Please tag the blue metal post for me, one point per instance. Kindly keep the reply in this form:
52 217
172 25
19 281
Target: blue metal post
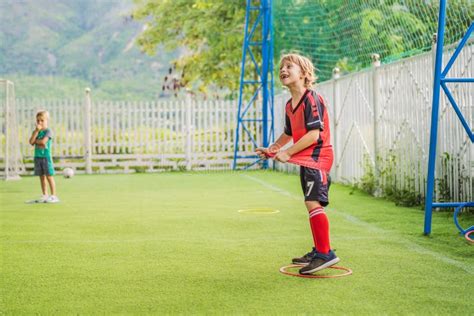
265 68
440 81
434 118
241 88
272 82
262 69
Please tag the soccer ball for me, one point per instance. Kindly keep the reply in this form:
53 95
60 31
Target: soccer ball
68 173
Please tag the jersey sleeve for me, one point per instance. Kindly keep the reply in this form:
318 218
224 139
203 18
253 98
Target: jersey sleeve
287 125
313 114
48 133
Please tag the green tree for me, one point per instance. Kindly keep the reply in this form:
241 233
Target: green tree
209 32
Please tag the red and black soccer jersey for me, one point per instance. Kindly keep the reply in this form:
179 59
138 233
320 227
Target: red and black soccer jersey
310 114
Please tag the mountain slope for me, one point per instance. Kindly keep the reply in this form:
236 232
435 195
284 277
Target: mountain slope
87 40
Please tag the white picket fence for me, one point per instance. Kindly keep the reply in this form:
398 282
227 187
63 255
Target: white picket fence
381 119
117 137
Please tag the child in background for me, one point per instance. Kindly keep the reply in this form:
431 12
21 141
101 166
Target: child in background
41 139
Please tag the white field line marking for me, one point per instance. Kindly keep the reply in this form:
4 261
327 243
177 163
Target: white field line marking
407 243
273 188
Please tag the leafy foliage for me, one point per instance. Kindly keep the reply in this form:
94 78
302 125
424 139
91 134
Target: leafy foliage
333 33
211 33
344 34
389 182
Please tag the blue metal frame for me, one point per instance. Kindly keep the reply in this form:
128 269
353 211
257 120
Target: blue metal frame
264 73
440 81
455 217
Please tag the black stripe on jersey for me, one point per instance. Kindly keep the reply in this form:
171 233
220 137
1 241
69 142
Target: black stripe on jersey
287 129
312 116
317 149
320 110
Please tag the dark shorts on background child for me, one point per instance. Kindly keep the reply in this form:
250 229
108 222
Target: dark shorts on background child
44 166
315 184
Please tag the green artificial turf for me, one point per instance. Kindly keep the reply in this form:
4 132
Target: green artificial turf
175 243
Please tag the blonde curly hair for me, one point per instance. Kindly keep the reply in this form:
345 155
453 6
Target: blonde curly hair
43 114
307 67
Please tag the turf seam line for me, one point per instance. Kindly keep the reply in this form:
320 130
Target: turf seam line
118 241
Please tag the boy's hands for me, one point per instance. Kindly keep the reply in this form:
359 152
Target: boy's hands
283 156
39 143
263 153
39 127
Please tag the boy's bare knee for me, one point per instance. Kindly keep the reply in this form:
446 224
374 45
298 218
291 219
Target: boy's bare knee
312 204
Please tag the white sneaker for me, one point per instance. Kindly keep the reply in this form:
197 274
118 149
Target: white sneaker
52 199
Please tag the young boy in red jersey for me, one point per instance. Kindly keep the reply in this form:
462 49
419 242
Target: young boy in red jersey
307 123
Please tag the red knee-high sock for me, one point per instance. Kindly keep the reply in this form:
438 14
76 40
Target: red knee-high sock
320 229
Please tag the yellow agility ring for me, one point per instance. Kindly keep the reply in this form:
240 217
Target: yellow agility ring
315 276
